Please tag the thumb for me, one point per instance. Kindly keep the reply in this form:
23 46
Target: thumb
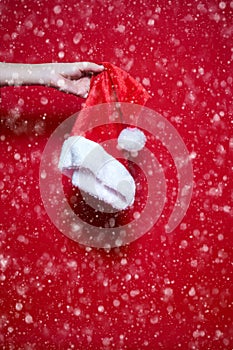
78 87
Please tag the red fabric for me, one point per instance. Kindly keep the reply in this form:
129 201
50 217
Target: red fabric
113 85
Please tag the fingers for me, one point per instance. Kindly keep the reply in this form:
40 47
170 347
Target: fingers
89 67
77 70
74 78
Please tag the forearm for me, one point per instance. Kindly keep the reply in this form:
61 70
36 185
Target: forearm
71 77
25 74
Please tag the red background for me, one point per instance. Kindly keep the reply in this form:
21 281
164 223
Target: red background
162 291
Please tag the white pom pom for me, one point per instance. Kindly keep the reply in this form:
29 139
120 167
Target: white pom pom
131 139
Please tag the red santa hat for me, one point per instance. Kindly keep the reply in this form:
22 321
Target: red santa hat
91 168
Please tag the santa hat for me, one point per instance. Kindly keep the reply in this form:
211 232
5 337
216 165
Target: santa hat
91 168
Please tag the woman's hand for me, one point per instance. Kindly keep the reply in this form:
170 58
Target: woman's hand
71 78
